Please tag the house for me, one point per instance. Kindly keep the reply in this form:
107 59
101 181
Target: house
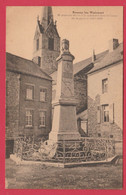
105 94
28 100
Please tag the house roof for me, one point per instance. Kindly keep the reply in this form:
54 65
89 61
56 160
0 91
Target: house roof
24 66
109 59
77 67
103 59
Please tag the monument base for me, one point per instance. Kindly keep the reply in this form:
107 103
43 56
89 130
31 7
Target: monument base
70 135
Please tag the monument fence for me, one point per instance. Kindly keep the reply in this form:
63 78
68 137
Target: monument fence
65 151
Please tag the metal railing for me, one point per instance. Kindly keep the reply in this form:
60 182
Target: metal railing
65 151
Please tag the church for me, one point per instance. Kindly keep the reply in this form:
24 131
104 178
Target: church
34 87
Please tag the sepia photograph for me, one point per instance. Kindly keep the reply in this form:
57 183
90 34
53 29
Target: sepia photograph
64 97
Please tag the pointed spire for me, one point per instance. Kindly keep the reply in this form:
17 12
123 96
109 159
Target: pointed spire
93 56
47 16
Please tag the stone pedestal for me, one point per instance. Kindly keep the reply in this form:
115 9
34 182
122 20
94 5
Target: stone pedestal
64 125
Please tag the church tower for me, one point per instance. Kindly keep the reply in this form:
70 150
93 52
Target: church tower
46 42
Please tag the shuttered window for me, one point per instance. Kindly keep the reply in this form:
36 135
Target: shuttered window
111 113
98 114
105 113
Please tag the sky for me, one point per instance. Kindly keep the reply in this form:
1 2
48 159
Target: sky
86 28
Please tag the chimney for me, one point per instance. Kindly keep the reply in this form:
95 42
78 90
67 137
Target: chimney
113 44
93 56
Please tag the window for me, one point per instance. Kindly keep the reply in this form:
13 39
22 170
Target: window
42 118
29 92
39 60
29 118
43 95
105 109
37 44
105 86
51 44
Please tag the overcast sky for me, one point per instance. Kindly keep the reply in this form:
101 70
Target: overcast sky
86 30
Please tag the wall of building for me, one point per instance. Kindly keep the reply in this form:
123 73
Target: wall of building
113 98
12 103
36 105
12 109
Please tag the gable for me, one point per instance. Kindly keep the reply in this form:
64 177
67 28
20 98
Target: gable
51 31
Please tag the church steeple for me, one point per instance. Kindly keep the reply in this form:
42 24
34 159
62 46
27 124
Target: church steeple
47 16
46 41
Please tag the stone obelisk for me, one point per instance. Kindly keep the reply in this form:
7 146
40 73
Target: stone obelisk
64 126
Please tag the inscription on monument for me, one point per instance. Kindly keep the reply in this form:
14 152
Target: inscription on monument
67 75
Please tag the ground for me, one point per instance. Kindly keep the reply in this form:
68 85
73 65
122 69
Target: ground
44 177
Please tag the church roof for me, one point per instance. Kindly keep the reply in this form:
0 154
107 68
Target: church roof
40 27
51 26
24 66
109 59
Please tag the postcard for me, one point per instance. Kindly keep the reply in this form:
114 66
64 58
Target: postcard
64 97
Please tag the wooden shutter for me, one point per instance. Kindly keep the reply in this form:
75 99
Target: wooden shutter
98 115
45 94
111 113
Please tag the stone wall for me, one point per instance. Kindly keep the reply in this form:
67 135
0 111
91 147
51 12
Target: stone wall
80 90
12 103
49 63
36 105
